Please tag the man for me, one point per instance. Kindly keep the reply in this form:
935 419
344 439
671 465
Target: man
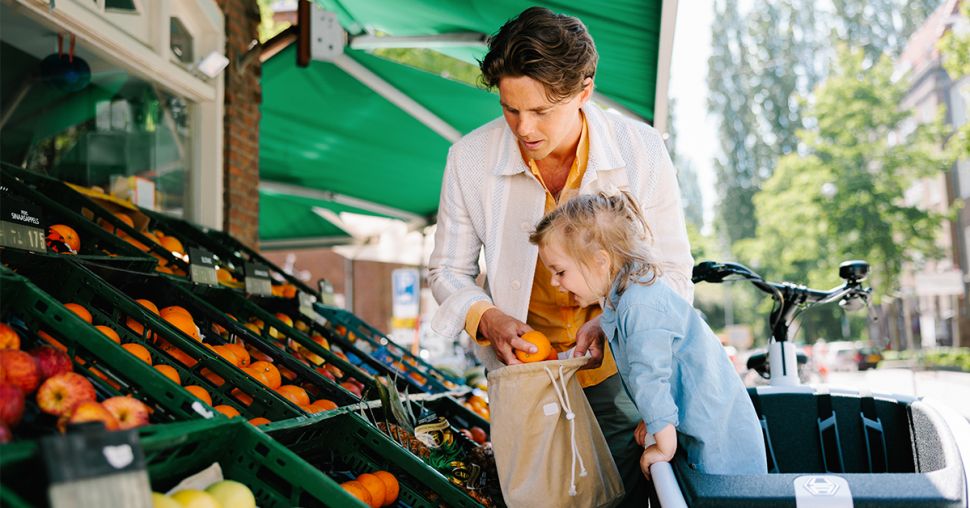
503 177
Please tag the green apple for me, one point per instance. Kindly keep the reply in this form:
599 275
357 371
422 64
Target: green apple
232 494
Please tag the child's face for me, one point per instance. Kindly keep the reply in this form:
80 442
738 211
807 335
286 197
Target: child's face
588 283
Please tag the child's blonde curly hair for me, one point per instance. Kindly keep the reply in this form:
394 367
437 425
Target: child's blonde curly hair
614 223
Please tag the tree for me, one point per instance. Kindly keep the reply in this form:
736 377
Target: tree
730 99
843 198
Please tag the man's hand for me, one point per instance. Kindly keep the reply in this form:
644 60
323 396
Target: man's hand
504 332
590 338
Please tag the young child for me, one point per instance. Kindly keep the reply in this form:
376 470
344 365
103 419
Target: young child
671 363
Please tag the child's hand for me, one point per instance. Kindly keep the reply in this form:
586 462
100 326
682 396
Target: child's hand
640 434
661 451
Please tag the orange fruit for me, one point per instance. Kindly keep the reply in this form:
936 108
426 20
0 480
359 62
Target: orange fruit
228 353
242 397
135 325
140 351
294 394
541 343
172 244
270 373
358 490
199 392
70 236
375 486
110 333
227 410
181 356
321 405
259 420
242 356
184 323
169 372
9 339
224 276
148 304
553 355
174 309
80 311
391 487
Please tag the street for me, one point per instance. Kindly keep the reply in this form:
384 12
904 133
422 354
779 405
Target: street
951 388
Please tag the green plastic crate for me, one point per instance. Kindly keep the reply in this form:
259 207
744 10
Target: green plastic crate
245 310
29 310
277 476
343 445
166 291
96 243
97 214
69 280
406 376
355 330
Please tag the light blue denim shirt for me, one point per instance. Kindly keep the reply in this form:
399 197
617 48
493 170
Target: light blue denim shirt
675 370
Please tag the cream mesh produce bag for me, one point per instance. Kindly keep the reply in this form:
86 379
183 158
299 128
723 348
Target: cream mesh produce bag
548 447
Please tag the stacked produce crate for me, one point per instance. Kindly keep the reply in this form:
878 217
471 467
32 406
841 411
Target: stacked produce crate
117 321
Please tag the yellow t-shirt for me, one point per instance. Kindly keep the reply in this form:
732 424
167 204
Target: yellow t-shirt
552 312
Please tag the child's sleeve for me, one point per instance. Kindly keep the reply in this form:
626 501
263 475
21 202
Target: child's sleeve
649 352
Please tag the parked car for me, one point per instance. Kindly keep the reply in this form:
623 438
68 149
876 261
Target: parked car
840 355
868 357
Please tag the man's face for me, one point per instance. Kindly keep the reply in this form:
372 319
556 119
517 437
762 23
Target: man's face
541 127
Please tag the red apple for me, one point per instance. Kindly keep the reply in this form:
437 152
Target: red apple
326 373
89 411
478 435
352 388
19 369
5 435
11 404
130 412
51 361
60 394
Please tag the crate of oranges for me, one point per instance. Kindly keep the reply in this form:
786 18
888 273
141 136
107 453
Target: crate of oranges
346 328
66 232
56 370
346 448
221 376
312 350
223 336
117 217
256 470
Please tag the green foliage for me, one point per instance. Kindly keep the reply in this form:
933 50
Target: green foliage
433 61
268 27
842 198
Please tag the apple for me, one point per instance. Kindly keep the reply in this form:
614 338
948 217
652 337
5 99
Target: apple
352 388
5 435
162 501
89 411
232 493
11 404
326 373
9 339
51 361
478 435
130 412
19 369
191 498
60 394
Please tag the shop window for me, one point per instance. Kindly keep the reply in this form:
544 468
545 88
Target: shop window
181 41
113 131
121 5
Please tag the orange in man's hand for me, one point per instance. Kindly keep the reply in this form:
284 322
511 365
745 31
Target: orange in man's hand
542 344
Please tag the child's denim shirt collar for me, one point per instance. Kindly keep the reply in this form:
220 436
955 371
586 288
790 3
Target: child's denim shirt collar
610 314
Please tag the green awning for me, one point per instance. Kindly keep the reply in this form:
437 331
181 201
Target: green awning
323 132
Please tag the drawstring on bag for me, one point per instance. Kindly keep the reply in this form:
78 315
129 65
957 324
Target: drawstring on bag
560 389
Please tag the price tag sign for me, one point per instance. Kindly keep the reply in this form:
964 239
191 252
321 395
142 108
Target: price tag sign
21 223
257 280
202 267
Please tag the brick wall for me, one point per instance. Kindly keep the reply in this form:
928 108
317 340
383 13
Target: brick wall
243 94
